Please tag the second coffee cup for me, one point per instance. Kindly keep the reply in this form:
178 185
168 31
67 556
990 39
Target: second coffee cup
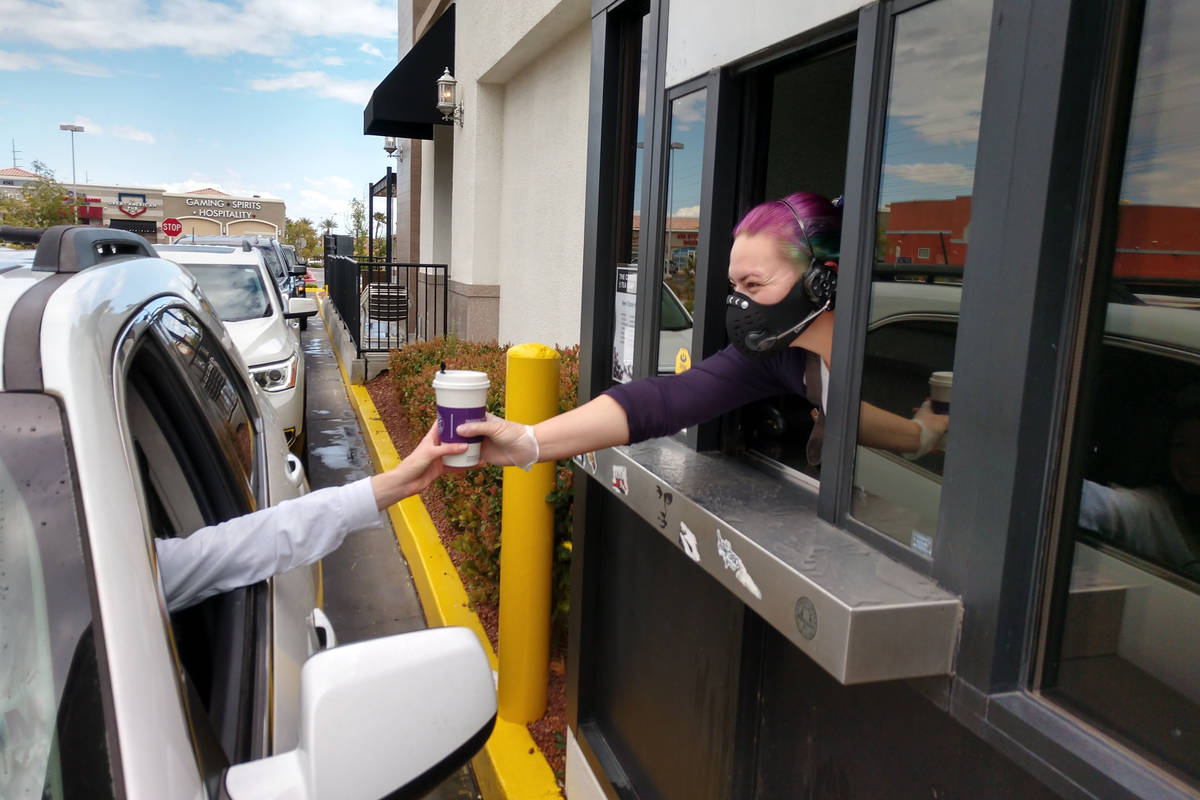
461 397
939 391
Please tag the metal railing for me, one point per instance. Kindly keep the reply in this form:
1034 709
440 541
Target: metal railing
386 305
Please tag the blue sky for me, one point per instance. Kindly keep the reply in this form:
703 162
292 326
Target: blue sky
247 96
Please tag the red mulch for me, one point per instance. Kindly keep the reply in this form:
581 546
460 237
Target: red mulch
550 731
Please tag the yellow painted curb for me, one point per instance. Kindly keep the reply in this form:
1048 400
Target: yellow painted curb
510 766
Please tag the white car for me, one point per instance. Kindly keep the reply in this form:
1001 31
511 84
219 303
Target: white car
127 415
240 286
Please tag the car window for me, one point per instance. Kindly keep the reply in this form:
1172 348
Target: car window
237 291
196 439
53 740
273 263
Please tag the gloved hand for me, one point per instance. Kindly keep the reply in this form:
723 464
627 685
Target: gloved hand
933 430
505 443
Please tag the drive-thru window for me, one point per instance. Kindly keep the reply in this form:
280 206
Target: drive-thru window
1014 614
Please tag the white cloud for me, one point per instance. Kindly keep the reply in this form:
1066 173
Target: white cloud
321 198
132 134
370 50
199 181
200 27
332 61
946 173
19 62
687 211
355 92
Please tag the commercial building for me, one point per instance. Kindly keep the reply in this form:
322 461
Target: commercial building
142 209
746 622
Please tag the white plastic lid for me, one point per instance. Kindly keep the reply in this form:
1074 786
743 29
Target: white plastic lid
460 379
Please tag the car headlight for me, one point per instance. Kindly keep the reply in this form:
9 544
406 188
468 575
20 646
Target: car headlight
276 377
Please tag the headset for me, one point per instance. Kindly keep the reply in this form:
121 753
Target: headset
820 279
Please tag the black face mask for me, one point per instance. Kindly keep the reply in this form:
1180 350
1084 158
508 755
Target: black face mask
757 329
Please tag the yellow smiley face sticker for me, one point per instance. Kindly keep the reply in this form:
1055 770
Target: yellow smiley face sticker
683 361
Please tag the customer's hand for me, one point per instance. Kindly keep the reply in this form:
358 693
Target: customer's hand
418 469
505 443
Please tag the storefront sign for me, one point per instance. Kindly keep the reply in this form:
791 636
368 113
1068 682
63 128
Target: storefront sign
132 205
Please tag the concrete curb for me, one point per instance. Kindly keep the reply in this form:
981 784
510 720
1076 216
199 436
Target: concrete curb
510 766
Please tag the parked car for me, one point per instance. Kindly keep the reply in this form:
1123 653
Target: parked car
288 277
238 283
675 330
126 414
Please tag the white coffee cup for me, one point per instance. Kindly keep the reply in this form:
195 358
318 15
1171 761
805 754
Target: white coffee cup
461 397
939 391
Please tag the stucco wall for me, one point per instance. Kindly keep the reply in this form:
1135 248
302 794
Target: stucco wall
518 160
542 197
699 39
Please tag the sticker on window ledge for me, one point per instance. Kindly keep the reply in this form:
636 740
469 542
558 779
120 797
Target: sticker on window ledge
620 478
733 563
922 543
587 461
687 540
806 618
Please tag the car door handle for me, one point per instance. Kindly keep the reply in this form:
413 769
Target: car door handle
295 470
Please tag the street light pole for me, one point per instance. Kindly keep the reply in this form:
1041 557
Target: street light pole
74 129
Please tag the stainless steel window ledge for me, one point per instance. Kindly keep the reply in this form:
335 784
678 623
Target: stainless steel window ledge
860 615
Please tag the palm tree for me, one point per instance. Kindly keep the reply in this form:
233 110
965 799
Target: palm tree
328 224
380 220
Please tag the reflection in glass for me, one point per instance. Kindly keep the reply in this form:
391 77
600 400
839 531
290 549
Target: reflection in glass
923 226
682 234
1130 645
237 291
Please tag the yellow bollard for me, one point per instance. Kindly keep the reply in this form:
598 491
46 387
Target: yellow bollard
527 542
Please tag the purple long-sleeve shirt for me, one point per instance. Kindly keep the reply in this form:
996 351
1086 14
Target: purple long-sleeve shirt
720 383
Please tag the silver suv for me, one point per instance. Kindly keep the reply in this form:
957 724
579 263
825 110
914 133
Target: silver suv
125 415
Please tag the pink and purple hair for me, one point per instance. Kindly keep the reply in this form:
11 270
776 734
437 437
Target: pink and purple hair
781 218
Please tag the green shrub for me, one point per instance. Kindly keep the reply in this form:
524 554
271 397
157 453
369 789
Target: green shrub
472 500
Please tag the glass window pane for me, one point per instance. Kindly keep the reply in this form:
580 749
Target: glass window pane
1130 640
682 235
635 42
923 226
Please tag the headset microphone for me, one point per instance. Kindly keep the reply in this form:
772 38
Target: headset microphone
759 342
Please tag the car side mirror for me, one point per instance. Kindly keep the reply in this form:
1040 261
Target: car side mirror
300 308
400 712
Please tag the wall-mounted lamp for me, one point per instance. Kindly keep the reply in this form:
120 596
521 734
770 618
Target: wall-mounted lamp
448 104
394 148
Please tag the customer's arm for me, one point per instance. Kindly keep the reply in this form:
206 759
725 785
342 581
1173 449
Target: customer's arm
296 532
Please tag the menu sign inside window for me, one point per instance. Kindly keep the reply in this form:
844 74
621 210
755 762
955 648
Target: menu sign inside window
624 322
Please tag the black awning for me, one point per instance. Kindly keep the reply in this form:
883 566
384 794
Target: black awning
404 104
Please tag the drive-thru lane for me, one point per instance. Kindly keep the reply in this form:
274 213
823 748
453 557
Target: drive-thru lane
368 588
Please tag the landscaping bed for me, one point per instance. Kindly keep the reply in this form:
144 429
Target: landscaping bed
465 509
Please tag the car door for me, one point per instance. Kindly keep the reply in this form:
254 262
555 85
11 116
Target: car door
246 466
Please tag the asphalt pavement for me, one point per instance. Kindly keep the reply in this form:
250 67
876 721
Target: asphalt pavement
368 588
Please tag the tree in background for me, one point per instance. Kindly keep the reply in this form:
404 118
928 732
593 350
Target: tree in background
294 229
328 224
39 204
358 226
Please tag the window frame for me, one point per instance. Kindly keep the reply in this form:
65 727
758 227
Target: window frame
244 737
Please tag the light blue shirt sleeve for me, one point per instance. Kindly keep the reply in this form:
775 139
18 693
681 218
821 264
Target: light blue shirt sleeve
253 547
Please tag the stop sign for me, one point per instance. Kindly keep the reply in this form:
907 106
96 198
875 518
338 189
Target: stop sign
172 227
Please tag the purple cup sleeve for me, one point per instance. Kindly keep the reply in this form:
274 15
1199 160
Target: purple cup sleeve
450 418
939 407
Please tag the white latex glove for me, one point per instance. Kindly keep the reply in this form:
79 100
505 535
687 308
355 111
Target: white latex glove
505 443
933 430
